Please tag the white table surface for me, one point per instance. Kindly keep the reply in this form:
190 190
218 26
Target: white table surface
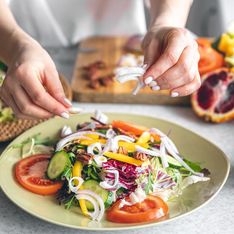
216 217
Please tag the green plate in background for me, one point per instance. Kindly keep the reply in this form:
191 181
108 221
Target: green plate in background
191 145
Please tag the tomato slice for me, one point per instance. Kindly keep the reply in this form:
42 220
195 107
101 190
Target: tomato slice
151 209
30 172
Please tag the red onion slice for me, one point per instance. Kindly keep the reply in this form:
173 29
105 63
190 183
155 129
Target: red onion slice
106 185
121 71
147 151
75 188
161 134
94 146
98 199
110 133
125 74
115 141
96 213
74 136
100 160
66 130
163 155
101 116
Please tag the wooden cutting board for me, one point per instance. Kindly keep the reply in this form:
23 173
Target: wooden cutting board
109 50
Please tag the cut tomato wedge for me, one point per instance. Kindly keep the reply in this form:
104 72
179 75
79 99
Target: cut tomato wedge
151 209
30 172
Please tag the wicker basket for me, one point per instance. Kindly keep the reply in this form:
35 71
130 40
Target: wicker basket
12 129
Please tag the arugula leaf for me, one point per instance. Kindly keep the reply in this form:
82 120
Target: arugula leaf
195 166
67 174
91 172
103 131
70 202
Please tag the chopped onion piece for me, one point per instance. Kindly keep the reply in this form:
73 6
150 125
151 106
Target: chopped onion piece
99 200
125 74
110 133
123 79
137 196
106 185
163 155
108 145
121 71
147 151
91 126
124 203
96 213
75 188
66 130
74 136
101 117
161 134
100 160
94 146
139 86
115 141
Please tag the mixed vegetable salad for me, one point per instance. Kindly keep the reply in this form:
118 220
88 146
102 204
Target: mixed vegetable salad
121 170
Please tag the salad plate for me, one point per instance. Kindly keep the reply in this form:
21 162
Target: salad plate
192 146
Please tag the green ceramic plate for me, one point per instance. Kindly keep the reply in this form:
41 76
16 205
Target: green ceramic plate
190 144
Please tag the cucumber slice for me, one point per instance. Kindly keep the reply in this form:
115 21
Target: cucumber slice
173 162
94 186
58 164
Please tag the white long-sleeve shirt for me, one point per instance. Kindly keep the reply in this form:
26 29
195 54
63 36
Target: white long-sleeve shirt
65 22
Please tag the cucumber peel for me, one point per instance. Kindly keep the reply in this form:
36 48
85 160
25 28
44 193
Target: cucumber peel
94 186
58 164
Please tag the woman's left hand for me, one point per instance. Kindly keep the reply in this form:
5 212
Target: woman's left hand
171 56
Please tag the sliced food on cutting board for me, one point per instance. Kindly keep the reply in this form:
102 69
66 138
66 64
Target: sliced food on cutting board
110 53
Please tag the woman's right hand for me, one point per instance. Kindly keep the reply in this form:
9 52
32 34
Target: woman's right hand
32 87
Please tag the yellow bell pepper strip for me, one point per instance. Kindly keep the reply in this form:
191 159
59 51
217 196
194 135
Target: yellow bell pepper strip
144 138
92 136
76 172
123 158
131 147
156 137
232 69
90 142
226 44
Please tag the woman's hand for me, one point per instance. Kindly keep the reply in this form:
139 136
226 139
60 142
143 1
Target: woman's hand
171 56
32 86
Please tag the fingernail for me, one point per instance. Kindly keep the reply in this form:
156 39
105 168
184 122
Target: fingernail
67 101
174 94
145 66
65 115
75 110
148 80
152 83
156 88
